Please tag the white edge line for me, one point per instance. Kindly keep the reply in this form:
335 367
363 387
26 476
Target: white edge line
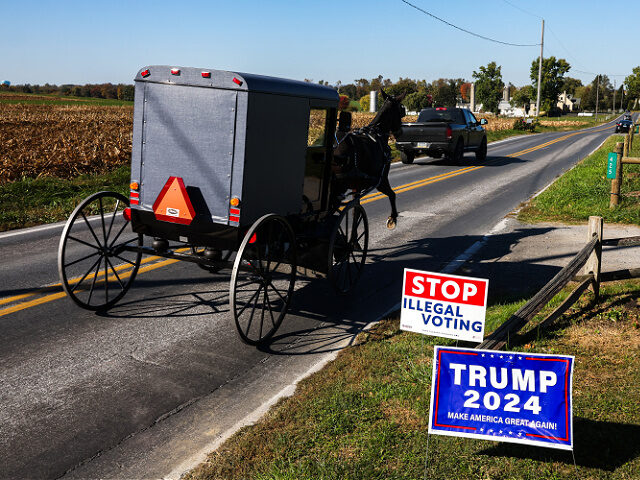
250 419
40 228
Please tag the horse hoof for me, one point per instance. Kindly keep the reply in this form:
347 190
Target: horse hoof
391 223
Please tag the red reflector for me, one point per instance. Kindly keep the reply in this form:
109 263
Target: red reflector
234 211
134 201
236 81
134 195
175 71
253 238
145 73
449 132
206 74
441 108
126 213
233 218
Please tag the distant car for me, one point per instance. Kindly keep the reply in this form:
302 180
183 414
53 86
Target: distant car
627 116
624 125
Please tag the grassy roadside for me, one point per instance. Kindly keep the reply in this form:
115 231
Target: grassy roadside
365 415
584 191
34 201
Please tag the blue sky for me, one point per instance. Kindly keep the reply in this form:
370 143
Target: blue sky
95 42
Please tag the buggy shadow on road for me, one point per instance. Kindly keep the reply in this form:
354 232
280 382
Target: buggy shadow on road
469 160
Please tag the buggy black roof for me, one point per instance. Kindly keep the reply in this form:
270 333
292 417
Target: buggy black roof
235 81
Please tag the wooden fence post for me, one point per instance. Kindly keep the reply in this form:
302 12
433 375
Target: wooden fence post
615 183
593 265
625 148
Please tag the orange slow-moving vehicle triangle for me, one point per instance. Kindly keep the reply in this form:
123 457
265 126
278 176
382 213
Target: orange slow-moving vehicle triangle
173 203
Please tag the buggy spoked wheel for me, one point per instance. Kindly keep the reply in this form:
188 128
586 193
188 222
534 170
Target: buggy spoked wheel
348 246
263 277
94 268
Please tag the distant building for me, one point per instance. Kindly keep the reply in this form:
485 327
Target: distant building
568 103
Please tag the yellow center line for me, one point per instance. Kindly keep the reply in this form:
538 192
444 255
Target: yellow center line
366 199
55 296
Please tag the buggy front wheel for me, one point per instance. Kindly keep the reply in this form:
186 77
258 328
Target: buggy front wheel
94 266
348 246
263 277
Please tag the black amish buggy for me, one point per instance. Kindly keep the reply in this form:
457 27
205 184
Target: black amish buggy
228 170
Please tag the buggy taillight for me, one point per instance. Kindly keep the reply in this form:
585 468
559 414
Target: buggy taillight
206 74
175 71
237 81
145 73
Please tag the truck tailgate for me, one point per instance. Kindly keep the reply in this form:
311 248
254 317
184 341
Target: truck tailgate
424 132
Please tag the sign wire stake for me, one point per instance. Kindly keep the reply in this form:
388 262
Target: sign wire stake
573 454
426 459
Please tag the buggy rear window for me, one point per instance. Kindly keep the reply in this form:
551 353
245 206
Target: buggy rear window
436 115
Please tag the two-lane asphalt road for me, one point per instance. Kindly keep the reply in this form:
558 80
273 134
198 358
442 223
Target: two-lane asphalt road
144 389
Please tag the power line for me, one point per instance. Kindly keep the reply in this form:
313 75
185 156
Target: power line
469 32
522 9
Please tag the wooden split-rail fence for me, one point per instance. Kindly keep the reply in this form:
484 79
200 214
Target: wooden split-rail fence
622 152
589 260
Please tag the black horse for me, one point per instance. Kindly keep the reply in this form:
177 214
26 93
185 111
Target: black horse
362 157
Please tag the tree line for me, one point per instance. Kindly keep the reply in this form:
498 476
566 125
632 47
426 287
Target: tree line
119 91
446 92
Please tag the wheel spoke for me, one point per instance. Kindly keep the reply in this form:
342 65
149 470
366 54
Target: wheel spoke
104 230
276 290
97 262
257 292
118 235
93 283
115 273
253 311
113 217
266 296
71 237
262 312
91 229
106 280
67 265
125 260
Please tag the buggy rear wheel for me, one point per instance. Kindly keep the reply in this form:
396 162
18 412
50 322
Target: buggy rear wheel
263 277
94 268
348 246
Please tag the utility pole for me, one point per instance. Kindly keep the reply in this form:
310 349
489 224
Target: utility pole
613 110
540 70
597 92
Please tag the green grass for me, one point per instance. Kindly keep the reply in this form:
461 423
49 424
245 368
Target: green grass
365 415
33 99
30 201
584 191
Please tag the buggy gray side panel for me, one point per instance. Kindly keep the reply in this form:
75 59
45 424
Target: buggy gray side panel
276 142
189 133
136 141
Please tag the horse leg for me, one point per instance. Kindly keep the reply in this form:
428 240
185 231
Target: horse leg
385 188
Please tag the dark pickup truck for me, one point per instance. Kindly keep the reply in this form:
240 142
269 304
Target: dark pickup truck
443 131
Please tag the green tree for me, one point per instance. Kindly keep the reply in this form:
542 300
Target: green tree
489 86
632 82
522 97
570 84
417 101
552 80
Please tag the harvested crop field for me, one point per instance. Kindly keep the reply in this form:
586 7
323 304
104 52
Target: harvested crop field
62 141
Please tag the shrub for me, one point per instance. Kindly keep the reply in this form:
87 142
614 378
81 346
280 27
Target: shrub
522 124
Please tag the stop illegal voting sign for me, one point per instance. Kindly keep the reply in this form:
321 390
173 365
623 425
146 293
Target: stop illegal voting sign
442 305
512 397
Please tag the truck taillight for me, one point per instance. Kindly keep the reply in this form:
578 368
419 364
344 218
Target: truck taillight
449 132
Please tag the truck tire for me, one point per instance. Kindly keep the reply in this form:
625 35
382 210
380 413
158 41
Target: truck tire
481 153
458 153
407 157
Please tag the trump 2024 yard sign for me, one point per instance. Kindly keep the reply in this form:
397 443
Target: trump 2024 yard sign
444 305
